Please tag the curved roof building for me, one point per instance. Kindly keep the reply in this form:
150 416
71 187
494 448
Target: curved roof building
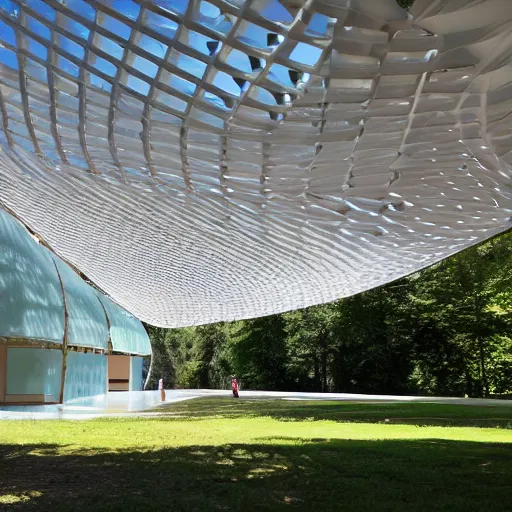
56 331
211 160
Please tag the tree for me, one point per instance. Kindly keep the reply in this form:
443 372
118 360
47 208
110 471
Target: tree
309 339
259 355
214 366
458 300
164 357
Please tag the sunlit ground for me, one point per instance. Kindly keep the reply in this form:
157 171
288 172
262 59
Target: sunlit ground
226 454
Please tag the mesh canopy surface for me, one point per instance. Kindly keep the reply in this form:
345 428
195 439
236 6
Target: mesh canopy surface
212 160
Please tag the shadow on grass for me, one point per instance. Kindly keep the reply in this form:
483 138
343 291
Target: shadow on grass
276 474
392 412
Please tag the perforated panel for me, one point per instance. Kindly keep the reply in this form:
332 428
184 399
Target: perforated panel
205 161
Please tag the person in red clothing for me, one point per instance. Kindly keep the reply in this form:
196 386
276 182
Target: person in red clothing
234 386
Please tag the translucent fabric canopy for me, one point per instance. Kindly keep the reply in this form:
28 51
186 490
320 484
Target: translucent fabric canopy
214 160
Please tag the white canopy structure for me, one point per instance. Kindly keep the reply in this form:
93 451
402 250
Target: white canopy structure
223 159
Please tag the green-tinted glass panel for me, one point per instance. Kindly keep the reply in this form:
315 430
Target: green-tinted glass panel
34 371
87 325
86 375
30 291
136 373
127 334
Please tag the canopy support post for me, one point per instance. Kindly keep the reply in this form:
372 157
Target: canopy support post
65 338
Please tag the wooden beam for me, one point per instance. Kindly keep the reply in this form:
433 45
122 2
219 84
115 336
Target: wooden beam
65 338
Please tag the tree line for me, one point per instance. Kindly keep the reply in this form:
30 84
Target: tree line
442 331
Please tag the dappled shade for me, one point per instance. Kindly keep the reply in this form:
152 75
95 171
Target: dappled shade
399 475
225 454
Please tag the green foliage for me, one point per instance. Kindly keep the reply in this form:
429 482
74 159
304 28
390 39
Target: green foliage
259 353
405 3
442 331
458 310
166 347
194 357
211 352
310 343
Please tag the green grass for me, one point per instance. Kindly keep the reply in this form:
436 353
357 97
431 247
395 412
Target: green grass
392 412
223 454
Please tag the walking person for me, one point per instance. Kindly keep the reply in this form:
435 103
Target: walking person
234 386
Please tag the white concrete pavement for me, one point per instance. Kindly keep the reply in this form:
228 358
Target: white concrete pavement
147 403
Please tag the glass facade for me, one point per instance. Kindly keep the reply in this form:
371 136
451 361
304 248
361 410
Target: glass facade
31 304
86 375
87 325
33 372
33 285
136 383
127 334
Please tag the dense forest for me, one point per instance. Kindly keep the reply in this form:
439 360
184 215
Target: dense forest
442 331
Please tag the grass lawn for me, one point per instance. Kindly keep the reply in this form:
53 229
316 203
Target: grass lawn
224 454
